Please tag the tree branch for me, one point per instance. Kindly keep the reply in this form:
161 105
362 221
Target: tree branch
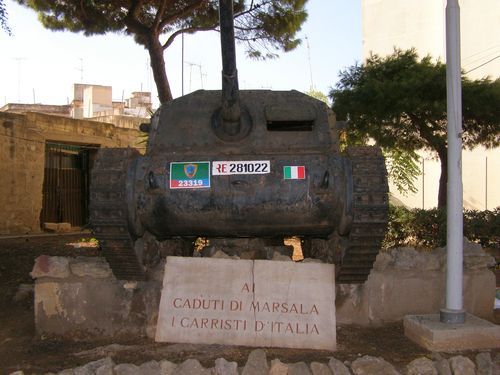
171 38
131 19
432 140
159 15
246 28
82 9
190 8
251 8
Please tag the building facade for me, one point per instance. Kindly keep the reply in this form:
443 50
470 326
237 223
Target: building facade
45 163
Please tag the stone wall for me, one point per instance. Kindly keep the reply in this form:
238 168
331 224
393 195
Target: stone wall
121 121
22 150
406 281
80 297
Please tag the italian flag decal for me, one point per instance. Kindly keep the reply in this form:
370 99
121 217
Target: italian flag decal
294 172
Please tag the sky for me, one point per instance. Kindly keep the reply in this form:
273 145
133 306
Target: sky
40 66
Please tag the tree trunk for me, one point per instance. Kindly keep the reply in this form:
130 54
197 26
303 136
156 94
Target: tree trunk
155 50
443 179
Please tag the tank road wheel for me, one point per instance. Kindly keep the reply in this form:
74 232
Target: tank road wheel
356 252
108 212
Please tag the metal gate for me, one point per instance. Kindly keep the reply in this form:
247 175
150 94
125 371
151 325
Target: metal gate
65 184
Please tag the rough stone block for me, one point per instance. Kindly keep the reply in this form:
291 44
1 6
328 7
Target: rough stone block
422 366
92 367
256 363
278 368
352 305
91 308
126 369
51 227
93 267
150 368
223 367
405 281
64 227
245 302
167 367
219 254
318 368
338 368
479 292
47 266
443 367
462 365
484 364
393 295
191 367
299 368
279 256
368 365
409 259
430 333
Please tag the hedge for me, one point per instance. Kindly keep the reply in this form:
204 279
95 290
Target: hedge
427 228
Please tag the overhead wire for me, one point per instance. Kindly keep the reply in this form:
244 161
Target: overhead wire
480 52
483 64
482 55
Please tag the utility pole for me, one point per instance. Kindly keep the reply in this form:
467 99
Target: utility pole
182 64
486 186
454 313
423 183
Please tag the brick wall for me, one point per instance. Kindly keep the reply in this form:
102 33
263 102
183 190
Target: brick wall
22 152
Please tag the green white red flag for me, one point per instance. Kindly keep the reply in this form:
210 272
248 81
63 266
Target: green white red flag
297 172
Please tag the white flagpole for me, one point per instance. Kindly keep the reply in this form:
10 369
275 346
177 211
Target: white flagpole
454 312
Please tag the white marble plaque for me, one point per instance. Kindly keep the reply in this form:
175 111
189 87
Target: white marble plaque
248 302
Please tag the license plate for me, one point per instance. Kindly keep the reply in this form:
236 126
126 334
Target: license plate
241 167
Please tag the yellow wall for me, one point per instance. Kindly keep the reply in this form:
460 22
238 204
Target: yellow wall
22 160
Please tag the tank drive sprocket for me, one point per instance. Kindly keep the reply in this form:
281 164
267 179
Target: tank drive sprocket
369 214
108 212
354 246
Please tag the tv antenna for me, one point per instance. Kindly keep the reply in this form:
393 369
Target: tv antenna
19 60
191 70
81 69
309 61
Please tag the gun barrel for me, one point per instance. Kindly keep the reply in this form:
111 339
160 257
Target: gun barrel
231 111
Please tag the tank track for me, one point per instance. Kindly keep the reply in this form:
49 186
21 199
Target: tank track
108 212
369 214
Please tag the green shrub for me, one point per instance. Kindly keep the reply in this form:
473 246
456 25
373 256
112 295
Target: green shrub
483 227
427 228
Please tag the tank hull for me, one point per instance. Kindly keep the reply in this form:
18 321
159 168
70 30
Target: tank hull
282 174
242 205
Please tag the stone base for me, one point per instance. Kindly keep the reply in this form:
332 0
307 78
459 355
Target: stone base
428 332
257 303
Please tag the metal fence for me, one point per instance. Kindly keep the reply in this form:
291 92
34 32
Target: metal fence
66 184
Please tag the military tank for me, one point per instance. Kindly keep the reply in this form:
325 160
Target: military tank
242 164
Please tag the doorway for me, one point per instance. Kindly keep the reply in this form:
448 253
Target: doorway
66 184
